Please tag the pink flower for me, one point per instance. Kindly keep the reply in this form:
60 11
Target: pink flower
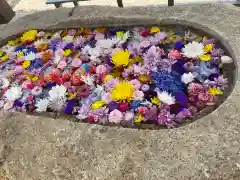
145 43
174 54
142 109
76 63
101 69
99 36
71 32
136 84
129 115
37 90
206 98
8 105
20 60
62 64
194 89
138 95
18 69
115 116
27 85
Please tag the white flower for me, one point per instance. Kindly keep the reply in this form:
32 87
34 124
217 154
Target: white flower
4 83
99 90
166 98
105 43
13 93
58 104
42 105
56 36
187 77
57 92
30 56
226 60
193 49
88 80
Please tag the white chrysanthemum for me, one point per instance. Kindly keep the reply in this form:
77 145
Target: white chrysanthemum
226 60
58 104
193 49
42 105
30 56
187 77
57 92
166 98
13 93
4 83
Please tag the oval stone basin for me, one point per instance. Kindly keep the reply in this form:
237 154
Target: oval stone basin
139 77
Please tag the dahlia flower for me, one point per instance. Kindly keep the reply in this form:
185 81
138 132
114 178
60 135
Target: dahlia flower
193 49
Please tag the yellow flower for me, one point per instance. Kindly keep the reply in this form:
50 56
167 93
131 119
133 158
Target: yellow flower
26 64
20 54
139 118
67 52
120 34
205 38
5 57
155 100
208 48
97 105
155 29
144 78
205 57
11 43
121 58
71 96
34 78
107 77
215 91
29 36
101 30
123 91
1 53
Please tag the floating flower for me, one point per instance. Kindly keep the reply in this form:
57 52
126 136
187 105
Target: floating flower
57 92
115 116
26 64
154 29
193 49
226 60
166 98
139 118
194 89
4 83
29 36
129 115
208 48
98 104
106 97
187 78
123 91
155 100
138 95
37 90
13 93
205 57
215 91
121 58
42 105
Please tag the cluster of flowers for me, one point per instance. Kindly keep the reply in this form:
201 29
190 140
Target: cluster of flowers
142 75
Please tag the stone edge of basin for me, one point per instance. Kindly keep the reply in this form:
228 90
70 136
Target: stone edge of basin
149 15
207 148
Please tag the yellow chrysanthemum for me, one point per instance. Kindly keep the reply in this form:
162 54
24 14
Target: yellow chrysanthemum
67 52
98 104
26 64
121 58
205 57
123 91
4 58
29 36
215 91
208 48
155 100
155 29
139 118
120 34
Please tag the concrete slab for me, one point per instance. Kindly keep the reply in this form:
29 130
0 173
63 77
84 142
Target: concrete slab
57 149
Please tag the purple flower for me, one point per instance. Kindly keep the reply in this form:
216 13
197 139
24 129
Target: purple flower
182 115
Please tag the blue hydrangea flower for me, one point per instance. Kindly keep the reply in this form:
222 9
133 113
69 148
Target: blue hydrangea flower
169 82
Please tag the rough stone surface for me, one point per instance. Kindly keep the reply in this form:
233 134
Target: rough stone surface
40 148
